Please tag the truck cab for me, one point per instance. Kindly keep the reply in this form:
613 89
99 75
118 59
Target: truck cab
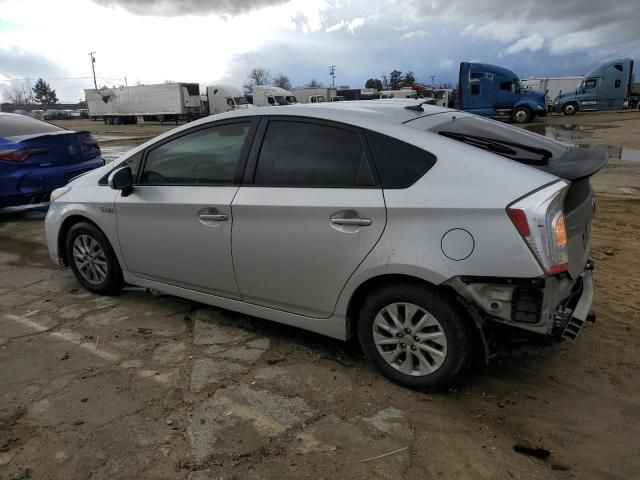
225 98
268 96
604 88
495 92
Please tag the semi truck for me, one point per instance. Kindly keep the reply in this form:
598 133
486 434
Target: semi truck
552 86
225 98
607 87
163 102
267 96
401 93
496 92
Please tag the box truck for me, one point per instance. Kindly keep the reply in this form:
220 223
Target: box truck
607 87
225 98
268 96
493 91
163 102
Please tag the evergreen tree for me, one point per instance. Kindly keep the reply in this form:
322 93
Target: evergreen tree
43 93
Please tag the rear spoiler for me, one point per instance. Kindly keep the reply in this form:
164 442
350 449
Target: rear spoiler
576 164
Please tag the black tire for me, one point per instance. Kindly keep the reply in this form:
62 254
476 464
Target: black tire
452 323
570 108
521 115
113 281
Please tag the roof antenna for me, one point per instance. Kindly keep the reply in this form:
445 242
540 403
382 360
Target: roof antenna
417 108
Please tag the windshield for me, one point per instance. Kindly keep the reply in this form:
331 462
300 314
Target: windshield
506 140
280 100
240 100
291 99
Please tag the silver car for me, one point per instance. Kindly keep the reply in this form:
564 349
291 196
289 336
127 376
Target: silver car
428 234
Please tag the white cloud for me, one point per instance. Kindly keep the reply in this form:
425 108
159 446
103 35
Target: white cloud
415 34
355 23
575 41
533 42
445 64
337 26
501 31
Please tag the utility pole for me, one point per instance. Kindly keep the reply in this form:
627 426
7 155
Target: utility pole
332 74
433 80
125 81
93 68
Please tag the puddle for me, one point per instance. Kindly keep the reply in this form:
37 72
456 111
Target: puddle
569 133
111 152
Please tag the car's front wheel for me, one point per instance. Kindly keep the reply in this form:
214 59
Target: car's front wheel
414 335
92 259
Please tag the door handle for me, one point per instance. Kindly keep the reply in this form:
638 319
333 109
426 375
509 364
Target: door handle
213 217
358 222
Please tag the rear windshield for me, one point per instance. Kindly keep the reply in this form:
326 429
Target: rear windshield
496 137
14 125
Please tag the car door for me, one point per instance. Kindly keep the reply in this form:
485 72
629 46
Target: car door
175 226
589 95
308 214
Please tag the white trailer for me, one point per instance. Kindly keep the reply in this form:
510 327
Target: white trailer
163 102
315 95
225 98
552 86
402 93
267 96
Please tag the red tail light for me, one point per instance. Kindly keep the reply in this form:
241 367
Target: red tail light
16 155
539 218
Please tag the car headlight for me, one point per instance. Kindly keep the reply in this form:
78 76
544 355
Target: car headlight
58 192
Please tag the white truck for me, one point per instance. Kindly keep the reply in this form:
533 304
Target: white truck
552 86
225 98
402 93
315 95
163 102
268 96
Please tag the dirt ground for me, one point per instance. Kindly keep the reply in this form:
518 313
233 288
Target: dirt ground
146 386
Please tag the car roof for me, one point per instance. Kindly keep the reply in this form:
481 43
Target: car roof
356 112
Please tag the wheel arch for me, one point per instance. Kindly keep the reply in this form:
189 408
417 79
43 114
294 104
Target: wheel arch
473 320
66 225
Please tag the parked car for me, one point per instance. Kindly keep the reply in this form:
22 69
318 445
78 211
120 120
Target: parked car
37 157
22 112
425 233
57 115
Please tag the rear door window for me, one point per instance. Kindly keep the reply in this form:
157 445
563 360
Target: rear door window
15 125
307 154
399 164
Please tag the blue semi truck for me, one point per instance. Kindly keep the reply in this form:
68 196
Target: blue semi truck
495 92
606 88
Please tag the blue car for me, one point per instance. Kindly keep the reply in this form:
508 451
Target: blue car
37 157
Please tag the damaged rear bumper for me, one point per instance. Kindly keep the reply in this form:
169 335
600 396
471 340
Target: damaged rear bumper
549 306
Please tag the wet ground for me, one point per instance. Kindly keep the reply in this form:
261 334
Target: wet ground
148 386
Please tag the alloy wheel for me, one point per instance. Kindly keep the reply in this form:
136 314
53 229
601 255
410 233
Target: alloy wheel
410 339
90 259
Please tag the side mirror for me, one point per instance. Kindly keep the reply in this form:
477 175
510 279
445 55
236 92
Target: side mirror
121 179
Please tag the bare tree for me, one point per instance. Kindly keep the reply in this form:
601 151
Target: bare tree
257 76
282 81
19 95
313 84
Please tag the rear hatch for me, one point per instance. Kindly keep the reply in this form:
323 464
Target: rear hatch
574 164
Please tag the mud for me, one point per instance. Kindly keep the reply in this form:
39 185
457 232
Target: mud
150 386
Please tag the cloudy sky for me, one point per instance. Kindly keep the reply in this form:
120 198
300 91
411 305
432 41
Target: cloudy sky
209 41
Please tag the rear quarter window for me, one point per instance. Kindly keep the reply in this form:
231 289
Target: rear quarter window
399 164
15 125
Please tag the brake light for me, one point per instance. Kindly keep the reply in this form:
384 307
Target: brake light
16 155
539 218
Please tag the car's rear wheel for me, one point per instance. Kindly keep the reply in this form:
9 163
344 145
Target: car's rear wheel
414 335
93 260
